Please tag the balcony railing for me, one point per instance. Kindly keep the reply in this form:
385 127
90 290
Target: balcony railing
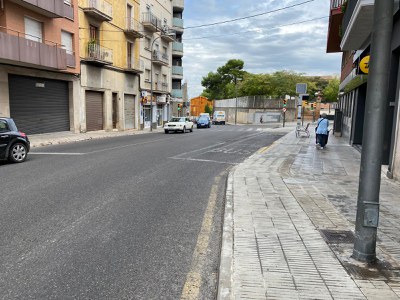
99 54
151 22
160 86
17 48
99 9
48 8
168 34
335 4
160 58
177 48
69 11
176 93
133 28
134 65
177 70
177 24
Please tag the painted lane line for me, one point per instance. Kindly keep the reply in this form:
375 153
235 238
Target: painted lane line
54 153
205 160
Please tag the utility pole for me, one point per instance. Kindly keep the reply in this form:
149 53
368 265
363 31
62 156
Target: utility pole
374 125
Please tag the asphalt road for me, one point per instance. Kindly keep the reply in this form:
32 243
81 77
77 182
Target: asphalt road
135 217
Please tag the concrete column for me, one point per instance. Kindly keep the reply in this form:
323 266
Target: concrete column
107 98
75 105
4 94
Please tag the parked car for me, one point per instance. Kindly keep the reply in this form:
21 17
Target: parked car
203 121
14 144
219 117
178 124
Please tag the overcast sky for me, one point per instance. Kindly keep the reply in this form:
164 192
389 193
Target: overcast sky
263 48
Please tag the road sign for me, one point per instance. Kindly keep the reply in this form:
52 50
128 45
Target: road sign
284 109
364 64
301 88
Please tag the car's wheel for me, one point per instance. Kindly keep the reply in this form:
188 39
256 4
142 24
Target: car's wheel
184 130
166 131
191 129
18 153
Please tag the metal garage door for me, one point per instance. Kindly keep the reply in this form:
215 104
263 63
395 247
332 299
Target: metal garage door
39 105
129 111
94 111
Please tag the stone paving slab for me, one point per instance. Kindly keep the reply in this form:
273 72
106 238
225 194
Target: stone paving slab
279 200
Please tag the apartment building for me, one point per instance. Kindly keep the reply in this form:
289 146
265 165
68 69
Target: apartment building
198 104
156 53
350 28
110 31
39 64
177 93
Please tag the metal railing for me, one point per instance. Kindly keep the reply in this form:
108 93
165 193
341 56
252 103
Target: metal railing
337 3
100 53
150 18
177 47
177 22
101 5
31 49
133 25
158 56
161 86
177 70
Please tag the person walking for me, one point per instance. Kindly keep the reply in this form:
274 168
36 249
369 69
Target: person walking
322 131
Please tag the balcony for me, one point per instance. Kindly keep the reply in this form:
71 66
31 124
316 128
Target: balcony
177 49
16 49
168 34
68 11
177 72
151 22
160 58
177 24
48 8
160 87
134 66
357 24
71 59
335 24
98 55
133 28
177 93
98 9
178 5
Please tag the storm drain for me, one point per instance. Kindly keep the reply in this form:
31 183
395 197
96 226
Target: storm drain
337 236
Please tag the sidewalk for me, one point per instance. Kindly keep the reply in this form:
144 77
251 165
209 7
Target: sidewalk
46 139
289 223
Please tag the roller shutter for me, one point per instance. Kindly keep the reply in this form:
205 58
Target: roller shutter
129 111
94 111
39 105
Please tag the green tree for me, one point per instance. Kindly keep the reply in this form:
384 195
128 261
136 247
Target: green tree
332 90
208 109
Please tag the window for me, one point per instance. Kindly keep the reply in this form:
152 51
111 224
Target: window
93 33
66 41
3 126
147 42
147 75
164 78
129 47
33 30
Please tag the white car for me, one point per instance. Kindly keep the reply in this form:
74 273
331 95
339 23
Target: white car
178 124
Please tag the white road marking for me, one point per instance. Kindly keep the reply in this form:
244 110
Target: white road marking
55 153
204 160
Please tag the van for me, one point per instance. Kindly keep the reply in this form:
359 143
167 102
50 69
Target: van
219 117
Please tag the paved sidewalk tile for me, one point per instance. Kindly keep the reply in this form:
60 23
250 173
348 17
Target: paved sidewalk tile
281 199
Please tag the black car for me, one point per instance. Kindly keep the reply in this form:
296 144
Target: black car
14 144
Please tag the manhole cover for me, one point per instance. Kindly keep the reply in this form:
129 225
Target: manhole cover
337 236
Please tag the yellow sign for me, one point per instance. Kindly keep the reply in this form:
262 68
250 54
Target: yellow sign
364 64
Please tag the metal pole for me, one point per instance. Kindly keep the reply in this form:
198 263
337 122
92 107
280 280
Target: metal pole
151 89
374 127
236 106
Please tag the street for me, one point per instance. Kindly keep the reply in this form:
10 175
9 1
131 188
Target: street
134 217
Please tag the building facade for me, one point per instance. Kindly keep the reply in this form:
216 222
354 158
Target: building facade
39 64
110 64
349 32
198 104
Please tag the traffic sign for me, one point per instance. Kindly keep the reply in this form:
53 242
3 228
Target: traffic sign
301 88
284 109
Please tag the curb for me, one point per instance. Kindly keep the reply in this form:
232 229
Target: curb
225 291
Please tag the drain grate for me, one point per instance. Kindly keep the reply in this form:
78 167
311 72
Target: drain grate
337 236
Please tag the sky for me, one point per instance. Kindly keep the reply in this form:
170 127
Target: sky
258 41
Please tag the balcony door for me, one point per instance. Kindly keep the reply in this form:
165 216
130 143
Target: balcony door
94 34
129 55
33 30
129 17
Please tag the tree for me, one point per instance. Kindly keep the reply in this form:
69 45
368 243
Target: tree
332 90
208 109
